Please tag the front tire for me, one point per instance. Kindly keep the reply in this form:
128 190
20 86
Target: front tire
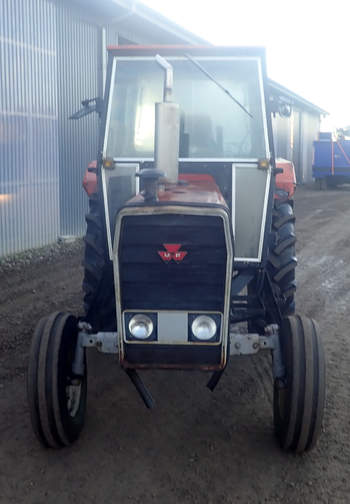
56 397
299 397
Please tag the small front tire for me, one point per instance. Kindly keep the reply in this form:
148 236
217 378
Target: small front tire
299 397
56 397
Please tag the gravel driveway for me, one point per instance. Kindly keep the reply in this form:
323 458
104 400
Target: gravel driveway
195 446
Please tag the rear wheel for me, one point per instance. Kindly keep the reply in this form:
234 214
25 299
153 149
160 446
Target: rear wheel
321 184
332 182
299 397
98 283
56 397
282 261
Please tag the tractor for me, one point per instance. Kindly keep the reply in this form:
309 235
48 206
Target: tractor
190 242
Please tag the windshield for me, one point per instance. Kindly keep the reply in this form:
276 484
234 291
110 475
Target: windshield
212 125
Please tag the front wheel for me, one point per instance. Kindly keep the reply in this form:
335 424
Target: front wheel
56 397
299 397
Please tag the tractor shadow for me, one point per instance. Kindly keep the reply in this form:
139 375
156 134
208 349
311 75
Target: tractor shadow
190 427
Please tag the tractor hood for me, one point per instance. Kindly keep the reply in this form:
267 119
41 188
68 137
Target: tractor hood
191 190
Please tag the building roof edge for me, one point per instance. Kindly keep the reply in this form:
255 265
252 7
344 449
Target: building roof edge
275 86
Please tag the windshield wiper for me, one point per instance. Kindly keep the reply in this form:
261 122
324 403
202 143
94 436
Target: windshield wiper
202 69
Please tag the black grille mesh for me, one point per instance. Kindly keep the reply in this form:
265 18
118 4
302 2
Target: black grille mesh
196 283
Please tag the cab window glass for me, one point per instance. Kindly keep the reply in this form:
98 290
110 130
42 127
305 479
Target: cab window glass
212 125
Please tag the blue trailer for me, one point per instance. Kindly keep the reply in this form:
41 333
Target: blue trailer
331 165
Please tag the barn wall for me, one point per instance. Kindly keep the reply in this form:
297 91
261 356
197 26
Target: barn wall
29 160
310 128
44 74
293 140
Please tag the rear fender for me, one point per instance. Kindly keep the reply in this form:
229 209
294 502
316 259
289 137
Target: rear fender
285 181
90 179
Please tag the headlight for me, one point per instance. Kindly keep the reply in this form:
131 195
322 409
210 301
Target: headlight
203 328
141 327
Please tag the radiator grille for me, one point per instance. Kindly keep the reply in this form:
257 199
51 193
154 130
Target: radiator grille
196 283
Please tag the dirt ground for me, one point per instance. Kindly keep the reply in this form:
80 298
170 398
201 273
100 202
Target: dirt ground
195 446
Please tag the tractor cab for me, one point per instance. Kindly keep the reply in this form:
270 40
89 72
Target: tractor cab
223 129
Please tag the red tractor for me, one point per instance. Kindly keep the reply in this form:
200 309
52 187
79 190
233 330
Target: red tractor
190 243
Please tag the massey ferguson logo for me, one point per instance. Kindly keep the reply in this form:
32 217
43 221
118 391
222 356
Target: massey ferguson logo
172 252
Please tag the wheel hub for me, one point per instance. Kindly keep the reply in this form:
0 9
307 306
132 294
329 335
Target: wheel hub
73 394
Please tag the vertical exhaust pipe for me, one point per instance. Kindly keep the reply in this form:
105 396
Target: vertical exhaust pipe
167 128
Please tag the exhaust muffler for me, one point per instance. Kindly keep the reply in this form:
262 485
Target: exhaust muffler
167 128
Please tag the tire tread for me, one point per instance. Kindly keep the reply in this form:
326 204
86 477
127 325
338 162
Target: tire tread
281 261
44 383
46 417
98 282
299 428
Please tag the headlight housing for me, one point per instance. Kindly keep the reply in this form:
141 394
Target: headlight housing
204 328
141 327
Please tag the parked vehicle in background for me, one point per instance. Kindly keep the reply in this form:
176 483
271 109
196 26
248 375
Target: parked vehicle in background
331 165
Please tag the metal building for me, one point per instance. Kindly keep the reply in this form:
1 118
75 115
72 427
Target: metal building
296 124
53 55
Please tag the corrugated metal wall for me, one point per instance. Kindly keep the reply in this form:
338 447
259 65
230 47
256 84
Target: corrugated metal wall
29 167
297 143
293 140
50 60
281 136
79 53
80 70
310 126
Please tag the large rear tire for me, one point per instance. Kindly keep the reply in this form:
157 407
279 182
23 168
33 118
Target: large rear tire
299 398
282 261
56 397
98 283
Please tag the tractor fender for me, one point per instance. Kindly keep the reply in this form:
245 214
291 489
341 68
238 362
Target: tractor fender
285 181
90 179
